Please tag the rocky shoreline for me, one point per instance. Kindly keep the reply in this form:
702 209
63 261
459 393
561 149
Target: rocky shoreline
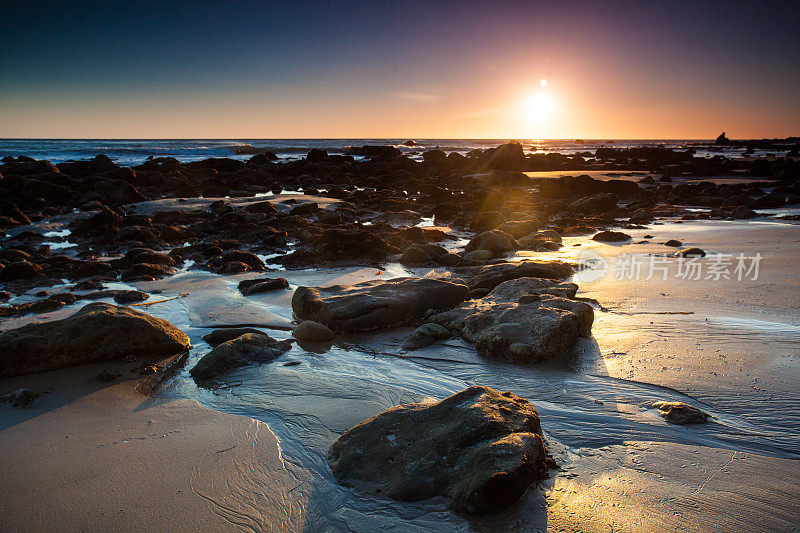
464 218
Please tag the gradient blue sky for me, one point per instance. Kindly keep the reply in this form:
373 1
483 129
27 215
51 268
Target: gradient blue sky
399 69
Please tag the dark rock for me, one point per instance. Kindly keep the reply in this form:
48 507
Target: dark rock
425 335
311 331
495 241
20 270
259 285
248 258
673 243
108 375
722 139
21 397
611 236
508 325
420 254
479 449
98 332
218 336
243 350
743 212
375 304
690 252
142 271
315 155
488 277
597 203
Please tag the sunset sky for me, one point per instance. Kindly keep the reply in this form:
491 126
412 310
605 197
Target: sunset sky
666 70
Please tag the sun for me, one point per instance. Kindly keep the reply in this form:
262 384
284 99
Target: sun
540 105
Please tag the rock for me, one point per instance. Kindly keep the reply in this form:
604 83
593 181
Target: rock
315 155
673 243
108 375
218 336
611 236
419 254
20 270
478 256
722 139
97 332
259 285
243 350
375 304
248 258
479 449
146 271
681 413
597 203
450 259
535 239
743 212
262 207
425 335
305 208
311 331
690 252
495 241
21 397
489 276
509 325
129 297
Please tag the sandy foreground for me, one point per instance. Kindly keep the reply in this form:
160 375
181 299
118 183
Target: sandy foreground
88 457
108 458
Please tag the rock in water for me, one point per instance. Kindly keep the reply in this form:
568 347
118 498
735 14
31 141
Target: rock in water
611 236
98 332
241 351
425 335
680 413
375 304
311 331
218 336
526 320
479 449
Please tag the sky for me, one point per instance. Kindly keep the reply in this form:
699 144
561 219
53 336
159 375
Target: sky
203 69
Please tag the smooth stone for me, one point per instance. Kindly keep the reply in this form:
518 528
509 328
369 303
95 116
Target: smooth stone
478 449
310 331
243 350
681 413
375 304
97 332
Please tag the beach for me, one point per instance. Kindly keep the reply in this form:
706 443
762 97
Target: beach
250 449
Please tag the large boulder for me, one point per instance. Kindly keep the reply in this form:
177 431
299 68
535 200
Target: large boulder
527 320
243 350
375 304
98 332
479 449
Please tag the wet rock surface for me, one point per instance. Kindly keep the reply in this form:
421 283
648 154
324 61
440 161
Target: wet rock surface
97 332
373 305
246 349
527 320
681 413
479 449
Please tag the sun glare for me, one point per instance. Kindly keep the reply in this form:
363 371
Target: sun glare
540 106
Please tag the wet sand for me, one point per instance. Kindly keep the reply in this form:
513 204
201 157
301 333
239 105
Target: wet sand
92 456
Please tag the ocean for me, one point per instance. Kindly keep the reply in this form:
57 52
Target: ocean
135 151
